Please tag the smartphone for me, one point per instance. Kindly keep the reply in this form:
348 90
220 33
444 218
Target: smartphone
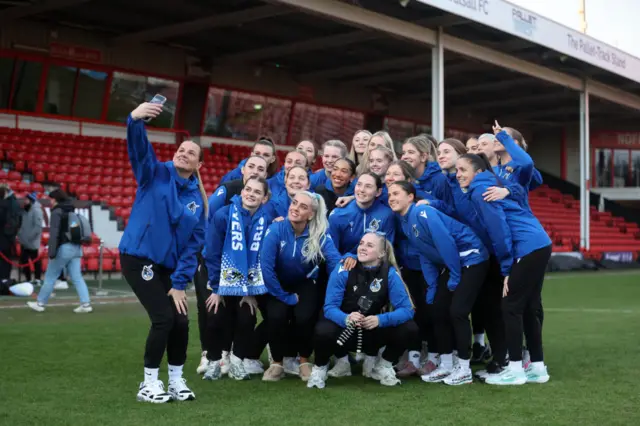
157 99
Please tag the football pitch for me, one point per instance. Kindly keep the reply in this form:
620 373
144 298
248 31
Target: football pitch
61 368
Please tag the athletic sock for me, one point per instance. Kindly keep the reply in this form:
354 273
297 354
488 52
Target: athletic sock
175 372
446 361
433 357
150 375
537 365
414 358
479 339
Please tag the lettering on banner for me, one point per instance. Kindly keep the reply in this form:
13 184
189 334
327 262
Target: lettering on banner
629 139
602 53
480 6
524 22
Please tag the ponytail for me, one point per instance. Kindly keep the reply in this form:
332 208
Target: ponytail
390 259
203 193
312 248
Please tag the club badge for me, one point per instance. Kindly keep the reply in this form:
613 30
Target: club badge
416 233
375 285
147 273
374 225
231 275
192 207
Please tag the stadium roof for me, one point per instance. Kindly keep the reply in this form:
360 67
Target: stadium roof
313 47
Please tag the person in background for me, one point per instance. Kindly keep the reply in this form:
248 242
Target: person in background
421 153
264 148
472 145
159 248
30 237
276 182
10 217
340 183
332 151
310 150
376 278
377 139
62 254
359 145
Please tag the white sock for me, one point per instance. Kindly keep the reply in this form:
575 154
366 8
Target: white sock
370 358
150 374
343 359
446 361
516 366
433 357
479 339
464 363
538 365
414 358
175 372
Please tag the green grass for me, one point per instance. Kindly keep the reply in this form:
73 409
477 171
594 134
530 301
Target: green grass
58 368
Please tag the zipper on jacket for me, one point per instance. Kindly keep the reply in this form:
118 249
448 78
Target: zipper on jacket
364 224
295 242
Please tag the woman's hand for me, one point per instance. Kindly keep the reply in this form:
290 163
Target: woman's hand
505 288
146 110
496 127
343 201
180 299
495 193
278 219
370 322
349 263
252 302
422 203
214 301
355 318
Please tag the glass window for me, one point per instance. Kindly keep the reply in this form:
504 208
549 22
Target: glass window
6 71
89 94
27 82
58 96
320 124
635 168
352 122
603 167
620 168
423 128
130 90
399 130
246 116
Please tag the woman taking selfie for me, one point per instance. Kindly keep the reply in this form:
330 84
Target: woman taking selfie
158 250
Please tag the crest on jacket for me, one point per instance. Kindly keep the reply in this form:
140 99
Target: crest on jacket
375 285
416 233
147 272
192 206
374 225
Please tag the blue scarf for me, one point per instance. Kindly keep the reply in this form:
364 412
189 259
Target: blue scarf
241 274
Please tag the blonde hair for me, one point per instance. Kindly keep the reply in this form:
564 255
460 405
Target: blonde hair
353 156
388 142
312 247
390 258
336 144
388 154
425 144
203 193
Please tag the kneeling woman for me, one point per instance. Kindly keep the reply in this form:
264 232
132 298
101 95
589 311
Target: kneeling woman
291 253
444 244
233 261
523 249
355 299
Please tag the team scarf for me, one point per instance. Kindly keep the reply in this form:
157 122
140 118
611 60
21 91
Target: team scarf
241 274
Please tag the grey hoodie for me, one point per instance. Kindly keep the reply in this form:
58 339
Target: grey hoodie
30 234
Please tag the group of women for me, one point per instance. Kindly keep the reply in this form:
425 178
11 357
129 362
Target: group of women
371 254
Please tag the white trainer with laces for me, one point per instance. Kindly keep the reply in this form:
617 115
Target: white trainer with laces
437 375
179 390
253 366
460 376
342 368
36 306
385 373
213 371
291 366
153 392
368 365
225 363
85 308
318 377
202 367
537 373
236 369
507 377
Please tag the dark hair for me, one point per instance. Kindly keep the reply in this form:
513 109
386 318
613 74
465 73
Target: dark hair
256 156
306 160
516 135
263 182
456 144
478 162
407 169
406 187
59 195
352 165
3 192
274 166
375 177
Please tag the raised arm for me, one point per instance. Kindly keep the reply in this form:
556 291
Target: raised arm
143 159
519 158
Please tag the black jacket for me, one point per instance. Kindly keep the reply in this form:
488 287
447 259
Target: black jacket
58 226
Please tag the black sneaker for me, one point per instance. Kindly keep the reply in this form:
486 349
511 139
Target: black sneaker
487 353
478 353
492 368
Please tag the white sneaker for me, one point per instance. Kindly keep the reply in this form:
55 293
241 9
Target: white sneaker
384 373
36 306
507 377
179 390
61 285
213 371
342 368
368 365
459 376
537 374
225 363
253 366
318 377
236 369
291 366
437 375
83 309
153 392
202 367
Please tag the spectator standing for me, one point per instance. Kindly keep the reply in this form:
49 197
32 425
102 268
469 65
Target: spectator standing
30 237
